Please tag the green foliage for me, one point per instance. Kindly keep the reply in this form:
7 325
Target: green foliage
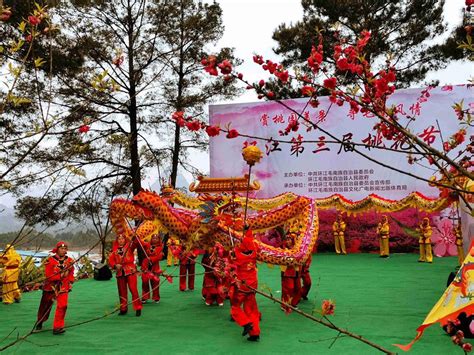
30 274
85 268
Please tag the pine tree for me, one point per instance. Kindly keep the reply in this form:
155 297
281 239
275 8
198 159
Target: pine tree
191 29
401 31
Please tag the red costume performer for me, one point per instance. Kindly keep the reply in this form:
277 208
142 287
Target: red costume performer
151 270
306 277
122 259
212 283
242 291
290 282
59 276
187 267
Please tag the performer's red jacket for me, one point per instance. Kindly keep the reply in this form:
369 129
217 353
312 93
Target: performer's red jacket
246 268
124 256
154 253
186 258
53 268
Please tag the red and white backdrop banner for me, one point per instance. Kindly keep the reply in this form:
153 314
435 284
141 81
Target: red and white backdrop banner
321 168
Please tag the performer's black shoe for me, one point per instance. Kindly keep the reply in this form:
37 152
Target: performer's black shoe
138 313
254 338
58 331
17 300
39 326
304 298
122 313
247 328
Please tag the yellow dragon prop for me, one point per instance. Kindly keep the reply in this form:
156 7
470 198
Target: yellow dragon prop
196 230
202 221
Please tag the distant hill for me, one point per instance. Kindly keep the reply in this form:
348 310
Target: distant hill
8 221
32 240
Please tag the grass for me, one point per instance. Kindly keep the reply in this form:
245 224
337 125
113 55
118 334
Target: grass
384 300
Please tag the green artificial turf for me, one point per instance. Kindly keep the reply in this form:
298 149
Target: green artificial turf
383 300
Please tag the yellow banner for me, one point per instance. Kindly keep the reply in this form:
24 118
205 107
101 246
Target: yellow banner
458 298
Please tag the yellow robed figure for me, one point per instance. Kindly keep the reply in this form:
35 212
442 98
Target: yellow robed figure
11 262
338 228
426 254
383 231
173 244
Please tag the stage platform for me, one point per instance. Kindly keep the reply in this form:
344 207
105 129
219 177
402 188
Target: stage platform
383 300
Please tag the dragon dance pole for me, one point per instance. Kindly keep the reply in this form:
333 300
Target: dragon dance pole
252 155
247 195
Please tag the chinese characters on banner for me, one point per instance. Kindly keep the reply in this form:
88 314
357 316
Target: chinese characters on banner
311 162
338 181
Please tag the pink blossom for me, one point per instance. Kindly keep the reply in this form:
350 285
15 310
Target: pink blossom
84 129
328 307
33 20
330 83
444 239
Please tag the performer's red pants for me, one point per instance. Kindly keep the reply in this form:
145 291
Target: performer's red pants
306 277
155 286
212 289
46 305
249 314
186 270
131 281
291 290
212 294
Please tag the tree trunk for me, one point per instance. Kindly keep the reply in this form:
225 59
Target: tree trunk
175 159
132 110
178 107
